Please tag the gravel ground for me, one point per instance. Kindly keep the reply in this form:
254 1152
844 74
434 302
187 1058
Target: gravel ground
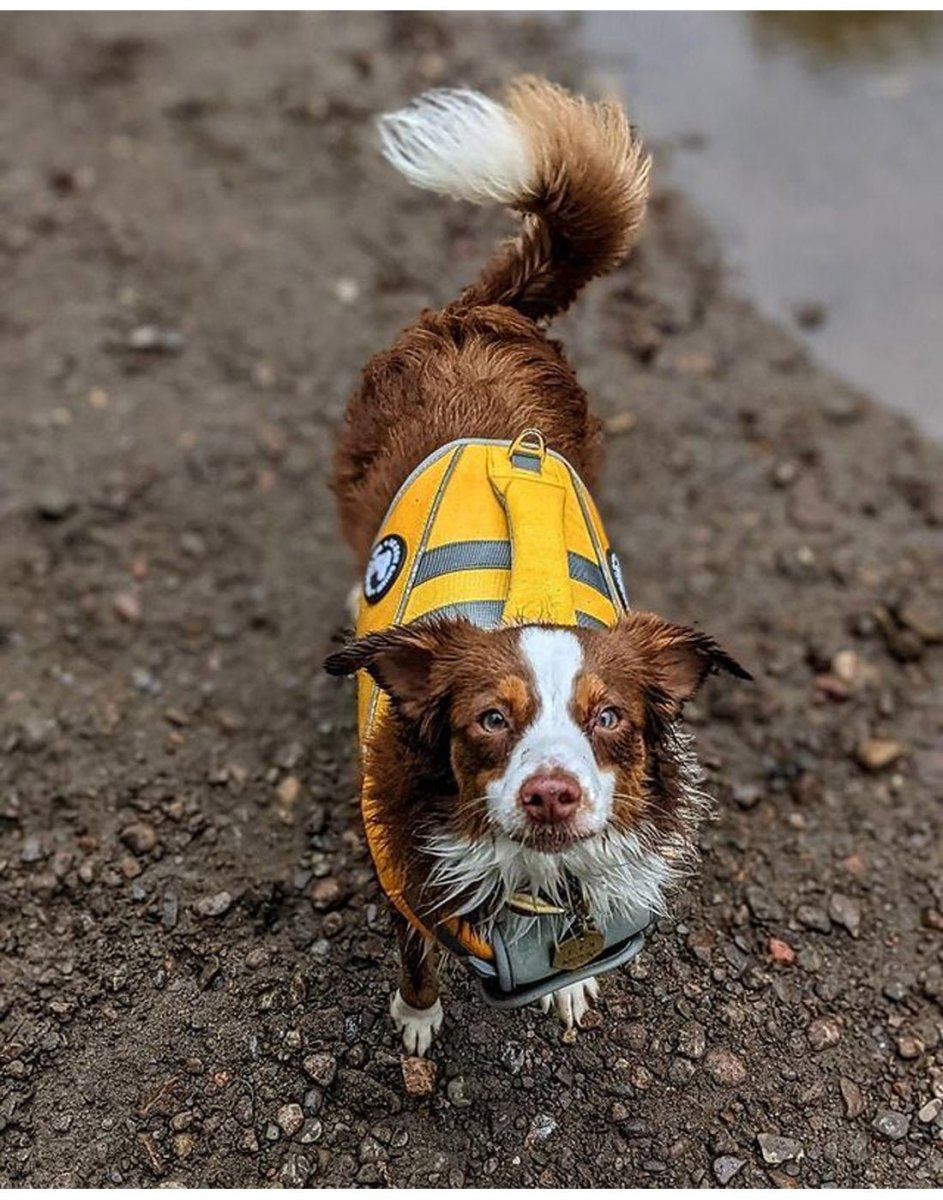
200 247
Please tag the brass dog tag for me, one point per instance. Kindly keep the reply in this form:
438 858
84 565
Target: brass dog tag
577 951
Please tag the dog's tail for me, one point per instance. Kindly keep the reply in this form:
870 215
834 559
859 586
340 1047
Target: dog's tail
574 169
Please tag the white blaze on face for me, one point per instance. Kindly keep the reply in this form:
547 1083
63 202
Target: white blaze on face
553 741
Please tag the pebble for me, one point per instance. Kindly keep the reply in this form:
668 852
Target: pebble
930 1111
896 990
213 906
846 912
814 917
874 754
322 1068
692 1040
151 339
53 504
924 616
725 1167
824 1032
455 1090
809 314
781 952
127 607
890 1124
290 1119
35 732
776 1149
852 1096
763 904
418 1075
909 1046
32 850
327 893
139 837
725 1067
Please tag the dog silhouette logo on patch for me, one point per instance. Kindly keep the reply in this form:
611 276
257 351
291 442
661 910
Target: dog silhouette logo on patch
615 569
384 566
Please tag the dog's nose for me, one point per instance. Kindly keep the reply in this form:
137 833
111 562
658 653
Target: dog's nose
550 799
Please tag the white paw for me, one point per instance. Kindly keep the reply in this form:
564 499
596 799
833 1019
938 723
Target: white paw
572 1002
418 1026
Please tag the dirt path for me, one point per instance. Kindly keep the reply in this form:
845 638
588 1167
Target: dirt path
199 248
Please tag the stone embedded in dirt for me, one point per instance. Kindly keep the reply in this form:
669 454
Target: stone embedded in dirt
845 911
322 1068
808 507
32 849
290 1119
53 504
852 1096
248 1143
814 917
692 1040
327 893
213 906
824 1032
455 1090
909 1046
725 1167
930 1111
781 952
725 1067
923 614
776 1149
127 606
418 1075
152 339
874 754
890 1124
35 732
763 904
139 837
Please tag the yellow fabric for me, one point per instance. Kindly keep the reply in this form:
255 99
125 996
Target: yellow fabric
503 533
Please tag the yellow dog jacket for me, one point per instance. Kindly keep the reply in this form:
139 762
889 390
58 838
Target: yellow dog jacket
497 532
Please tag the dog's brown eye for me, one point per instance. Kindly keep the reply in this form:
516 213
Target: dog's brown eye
493 721
607 718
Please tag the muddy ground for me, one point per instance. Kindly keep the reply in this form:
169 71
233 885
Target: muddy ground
200 246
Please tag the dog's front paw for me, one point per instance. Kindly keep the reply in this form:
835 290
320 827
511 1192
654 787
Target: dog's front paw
572 1002
418 1026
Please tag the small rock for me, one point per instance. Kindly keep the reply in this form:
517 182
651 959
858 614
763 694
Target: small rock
32 850
852 1096
763 904
322 1068
455 1091
290 1119
213 906
930 1111
541 1127
725 1167
150 339
874 754
621 422
747 795
418 1075
346 290
814 917
776 1149
53 504
895 989
725 1067
909 1046
327 893
140 838
127 607
781 952
248 1142
824 1032
846 912
924 616
692 1040
890 1124
35 732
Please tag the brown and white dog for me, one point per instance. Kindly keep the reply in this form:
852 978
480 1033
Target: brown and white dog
511 757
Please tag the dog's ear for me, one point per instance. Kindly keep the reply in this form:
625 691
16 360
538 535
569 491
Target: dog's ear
675 658
401 660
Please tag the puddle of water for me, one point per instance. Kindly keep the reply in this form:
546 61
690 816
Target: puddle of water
814 144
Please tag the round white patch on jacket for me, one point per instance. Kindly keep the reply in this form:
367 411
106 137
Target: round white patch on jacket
386 562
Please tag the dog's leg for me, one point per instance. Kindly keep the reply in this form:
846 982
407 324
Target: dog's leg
572 1002
415 1007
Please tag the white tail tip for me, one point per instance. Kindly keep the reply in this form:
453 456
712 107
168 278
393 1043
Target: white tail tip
459 142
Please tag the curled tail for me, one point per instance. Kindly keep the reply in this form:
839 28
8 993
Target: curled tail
574 170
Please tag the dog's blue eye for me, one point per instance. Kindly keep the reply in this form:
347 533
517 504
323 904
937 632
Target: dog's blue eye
492 721
607 718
